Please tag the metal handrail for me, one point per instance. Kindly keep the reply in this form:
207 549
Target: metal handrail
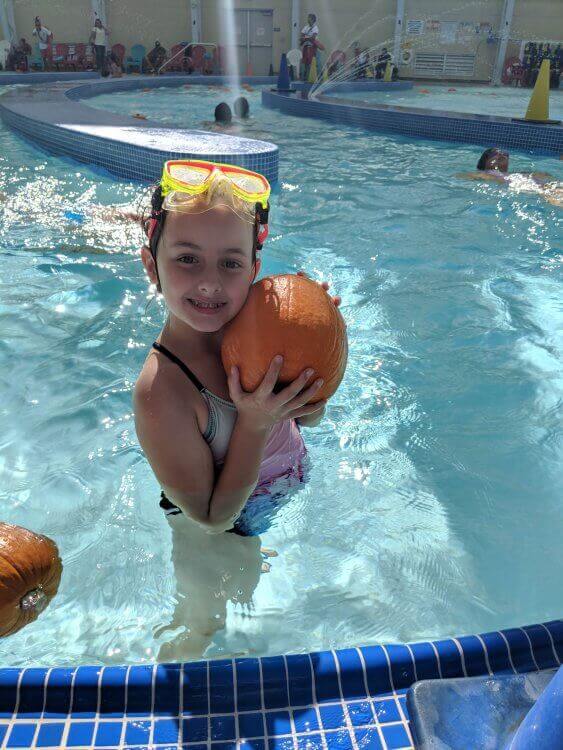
181 52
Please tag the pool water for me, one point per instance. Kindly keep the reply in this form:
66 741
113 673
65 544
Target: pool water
502 101
433 504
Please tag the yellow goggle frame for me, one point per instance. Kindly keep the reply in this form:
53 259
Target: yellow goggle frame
194 177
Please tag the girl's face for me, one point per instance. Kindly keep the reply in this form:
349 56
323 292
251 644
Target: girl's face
205 266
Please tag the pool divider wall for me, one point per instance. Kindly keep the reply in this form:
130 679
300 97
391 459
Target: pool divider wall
485 130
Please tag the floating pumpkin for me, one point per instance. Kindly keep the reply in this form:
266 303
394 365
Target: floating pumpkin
30 572
292 316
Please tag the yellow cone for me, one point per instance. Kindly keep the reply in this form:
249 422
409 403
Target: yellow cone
388 72
538 108
313 71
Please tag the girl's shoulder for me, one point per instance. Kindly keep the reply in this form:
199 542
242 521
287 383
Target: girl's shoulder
162 392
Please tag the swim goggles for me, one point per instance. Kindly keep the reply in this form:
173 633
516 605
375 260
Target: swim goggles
193 186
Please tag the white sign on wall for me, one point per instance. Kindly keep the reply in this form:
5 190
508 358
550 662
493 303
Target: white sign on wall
448 31
415 28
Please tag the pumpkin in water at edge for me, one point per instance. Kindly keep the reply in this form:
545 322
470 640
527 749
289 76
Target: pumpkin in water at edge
292 316
30 572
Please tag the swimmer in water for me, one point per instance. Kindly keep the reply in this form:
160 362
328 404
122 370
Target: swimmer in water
242 108
223 122
493 167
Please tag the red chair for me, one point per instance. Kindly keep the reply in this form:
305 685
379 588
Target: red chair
218 57
201 62
89 57
59 55
118 50
177 63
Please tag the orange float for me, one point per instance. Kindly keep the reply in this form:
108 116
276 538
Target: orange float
30 572
292 316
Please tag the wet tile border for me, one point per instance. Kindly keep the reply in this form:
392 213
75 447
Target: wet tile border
346 699
485 130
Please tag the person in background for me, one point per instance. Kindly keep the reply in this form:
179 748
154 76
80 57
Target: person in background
44 38
310 45
381 64
98 37
493 167
362 64
17 57
242 108
114 65
155 58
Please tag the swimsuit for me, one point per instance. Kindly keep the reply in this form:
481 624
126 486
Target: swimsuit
280 469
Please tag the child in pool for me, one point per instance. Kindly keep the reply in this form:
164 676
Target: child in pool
493 167
212 446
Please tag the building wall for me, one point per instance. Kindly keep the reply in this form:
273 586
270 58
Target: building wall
343 24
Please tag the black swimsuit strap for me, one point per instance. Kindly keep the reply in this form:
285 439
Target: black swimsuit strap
185 369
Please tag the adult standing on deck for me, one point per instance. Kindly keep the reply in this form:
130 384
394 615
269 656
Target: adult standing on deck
99 38
44 38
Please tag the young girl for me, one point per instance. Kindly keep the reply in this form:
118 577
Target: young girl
217 451
211 445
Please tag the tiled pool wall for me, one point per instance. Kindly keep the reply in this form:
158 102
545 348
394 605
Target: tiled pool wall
485 130
346 699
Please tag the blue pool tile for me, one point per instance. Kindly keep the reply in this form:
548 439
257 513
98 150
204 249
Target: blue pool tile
278 722
252 745
326 676
221 687
542 646
194 696
351 674
108 734
305 720
80 733
275 682
21 735
520 650
386 710
450 658
167 696
555 629
360 713
280 743
32 693
166 730
368 738
3 732
377 670
426 661
8 692
195 730
50 735
396 736
139 691
85 691
137 732
113 691
310 742
402 666
223 746
251 725
332 716
194 747
248 685
223 728
474 656
497 652
340 741
300 680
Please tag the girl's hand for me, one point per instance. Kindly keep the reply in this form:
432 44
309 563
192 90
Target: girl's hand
325 285
261 409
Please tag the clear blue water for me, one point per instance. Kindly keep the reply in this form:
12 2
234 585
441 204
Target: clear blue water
434 504
502 101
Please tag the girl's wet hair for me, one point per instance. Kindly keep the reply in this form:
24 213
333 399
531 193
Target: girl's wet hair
485 156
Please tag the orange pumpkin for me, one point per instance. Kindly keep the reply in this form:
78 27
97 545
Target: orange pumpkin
292 316
30 572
